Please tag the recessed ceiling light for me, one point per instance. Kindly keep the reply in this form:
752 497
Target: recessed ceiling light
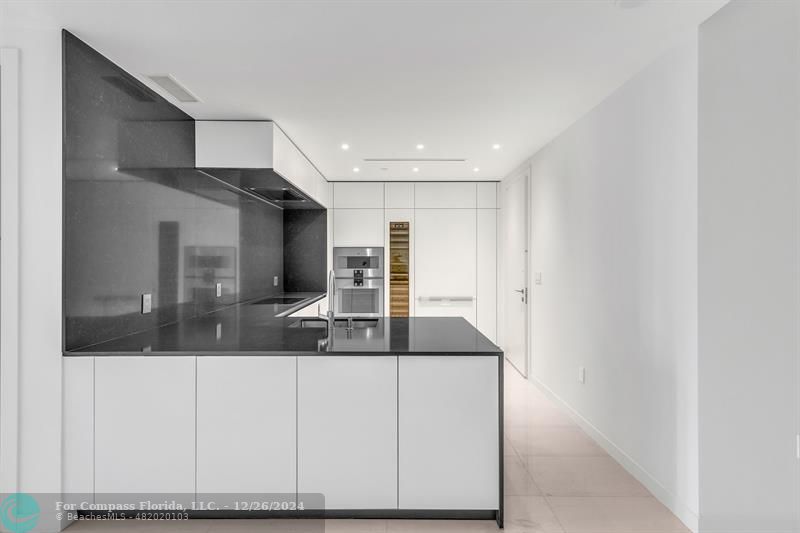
356 169
420 147
476 169
415 169
345 146
495 147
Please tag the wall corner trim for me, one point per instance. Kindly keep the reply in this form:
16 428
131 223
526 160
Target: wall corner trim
9 269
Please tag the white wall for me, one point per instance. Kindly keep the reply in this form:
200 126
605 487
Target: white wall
40 255
748 267
614 226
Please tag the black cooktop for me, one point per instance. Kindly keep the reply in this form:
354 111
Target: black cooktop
280 300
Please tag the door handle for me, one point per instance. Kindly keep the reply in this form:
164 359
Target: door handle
523 292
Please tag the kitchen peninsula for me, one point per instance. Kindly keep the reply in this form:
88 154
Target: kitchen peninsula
396 417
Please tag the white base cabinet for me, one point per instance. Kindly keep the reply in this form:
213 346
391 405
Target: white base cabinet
144 426
449 432
375 432
347 430
246 425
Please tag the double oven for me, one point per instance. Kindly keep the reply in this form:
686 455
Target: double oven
359 282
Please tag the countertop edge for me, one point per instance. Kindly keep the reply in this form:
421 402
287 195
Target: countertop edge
234 353
302 305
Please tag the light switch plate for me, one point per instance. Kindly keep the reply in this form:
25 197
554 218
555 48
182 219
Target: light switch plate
538 278
219 330
219 290
147 303
275 281
582 375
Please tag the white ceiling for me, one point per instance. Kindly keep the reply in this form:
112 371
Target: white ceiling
384 76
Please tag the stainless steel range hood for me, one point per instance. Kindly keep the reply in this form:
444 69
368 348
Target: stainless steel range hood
258 157
266 184
251 158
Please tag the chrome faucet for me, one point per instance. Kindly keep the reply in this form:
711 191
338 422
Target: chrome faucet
330 317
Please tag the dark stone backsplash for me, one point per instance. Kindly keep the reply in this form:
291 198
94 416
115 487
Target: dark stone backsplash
139 219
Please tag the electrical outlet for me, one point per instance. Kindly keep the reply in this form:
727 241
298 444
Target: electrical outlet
582 375
275 281
147 303
219 290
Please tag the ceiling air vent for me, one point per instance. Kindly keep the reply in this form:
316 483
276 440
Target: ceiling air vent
412 160
171 85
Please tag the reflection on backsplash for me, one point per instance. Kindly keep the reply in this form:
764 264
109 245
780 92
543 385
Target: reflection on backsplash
138 218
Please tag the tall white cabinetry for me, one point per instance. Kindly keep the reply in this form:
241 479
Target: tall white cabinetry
453 253
446 263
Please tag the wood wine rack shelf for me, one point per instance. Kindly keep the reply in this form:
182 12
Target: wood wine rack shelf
399 269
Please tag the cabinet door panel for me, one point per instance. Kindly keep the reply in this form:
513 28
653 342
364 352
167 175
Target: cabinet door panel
428 195
347 430
246 425
358 227
77 443
487 273
449 432
445 262
358 195
144 426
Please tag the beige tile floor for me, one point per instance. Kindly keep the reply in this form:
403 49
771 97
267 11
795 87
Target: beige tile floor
557 480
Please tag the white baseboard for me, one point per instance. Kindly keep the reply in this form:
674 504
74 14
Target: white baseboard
672 502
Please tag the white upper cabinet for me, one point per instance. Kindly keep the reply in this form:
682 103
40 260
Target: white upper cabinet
233 144
399 195
487 194
358 227
348 195
255 144
445 195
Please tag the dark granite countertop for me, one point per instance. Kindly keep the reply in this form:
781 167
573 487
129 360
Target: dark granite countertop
254 329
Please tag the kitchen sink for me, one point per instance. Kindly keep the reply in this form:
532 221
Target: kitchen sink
358 323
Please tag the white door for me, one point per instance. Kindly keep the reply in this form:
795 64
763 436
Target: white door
144 412
347 430
449 448
246 425
445 263
515 292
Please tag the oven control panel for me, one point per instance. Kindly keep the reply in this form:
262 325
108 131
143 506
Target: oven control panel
358 278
